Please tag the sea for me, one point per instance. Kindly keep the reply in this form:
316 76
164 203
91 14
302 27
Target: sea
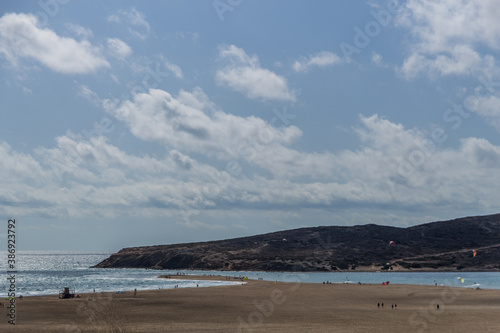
48 272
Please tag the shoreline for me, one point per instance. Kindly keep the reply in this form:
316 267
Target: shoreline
223 278
397 270
236 281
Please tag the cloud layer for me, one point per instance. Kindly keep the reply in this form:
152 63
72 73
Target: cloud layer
393 167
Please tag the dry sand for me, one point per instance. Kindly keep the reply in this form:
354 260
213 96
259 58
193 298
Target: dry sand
262 306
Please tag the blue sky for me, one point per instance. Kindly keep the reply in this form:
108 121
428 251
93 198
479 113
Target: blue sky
130 123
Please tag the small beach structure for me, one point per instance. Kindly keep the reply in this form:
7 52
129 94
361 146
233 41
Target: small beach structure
67 293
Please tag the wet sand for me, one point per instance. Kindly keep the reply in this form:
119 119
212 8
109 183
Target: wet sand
262 306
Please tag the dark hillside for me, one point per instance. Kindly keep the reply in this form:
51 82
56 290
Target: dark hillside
446 245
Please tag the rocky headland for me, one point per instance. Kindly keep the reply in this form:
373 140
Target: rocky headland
464 244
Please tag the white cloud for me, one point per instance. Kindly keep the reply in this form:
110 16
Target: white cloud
482 153
460 38
486 106
459 60
321 59
79 31
191 122
27 91
378 60
113 18
118 48
176 70
88 94
115 79
21 37
451 37
194 36
19 167
393 164
243 73
136 20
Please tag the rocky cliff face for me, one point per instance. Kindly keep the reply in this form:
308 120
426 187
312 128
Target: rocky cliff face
446 245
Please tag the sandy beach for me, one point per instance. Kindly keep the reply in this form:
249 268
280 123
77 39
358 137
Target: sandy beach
263 306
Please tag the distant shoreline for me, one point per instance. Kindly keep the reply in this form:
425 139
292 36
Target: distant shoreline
308 272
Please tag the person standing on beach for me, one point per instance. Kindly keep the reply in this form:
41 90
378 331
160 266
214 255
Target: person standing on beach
135 292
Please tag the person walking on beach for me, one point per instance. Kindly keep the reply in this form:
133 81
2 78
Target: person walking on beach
378 305
135 292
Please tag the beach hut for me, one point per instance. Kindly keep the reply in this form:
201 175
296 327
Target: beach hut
67 293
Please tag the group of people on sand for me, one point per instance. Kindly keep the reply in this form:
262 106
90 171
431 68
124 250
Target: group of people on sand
393 306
